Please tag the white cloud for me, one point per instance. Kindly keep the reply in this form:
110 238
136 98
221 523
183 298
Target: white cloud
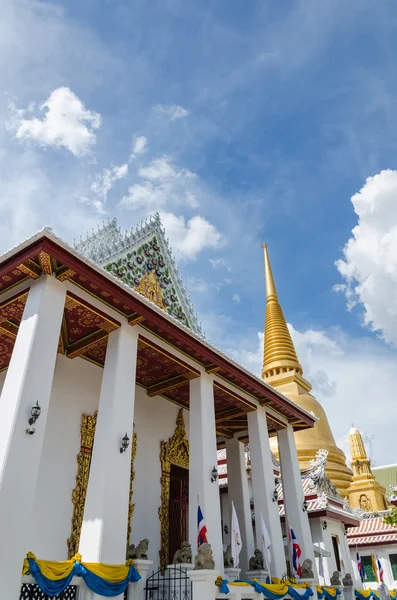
219 262
369 266
236 298
139 146
162 169
189 238
144 195
173 111
162 183
197 284
104 182
66 123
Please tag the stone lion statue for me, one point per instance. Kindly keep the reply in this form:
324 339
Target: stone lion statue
307 569
335 579
347 580
256 561
204 558
183 555
227 557
139 551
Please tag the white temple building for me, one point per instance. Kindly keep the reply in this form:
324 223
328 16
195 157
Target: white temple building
109 365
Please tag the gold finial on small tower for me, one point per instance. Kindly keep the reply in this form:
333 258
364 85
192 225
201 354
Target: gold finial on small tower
364 492
279 351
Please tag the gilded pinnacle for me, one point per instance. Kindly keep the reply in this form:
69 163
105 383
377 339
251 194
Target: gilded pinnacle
279 351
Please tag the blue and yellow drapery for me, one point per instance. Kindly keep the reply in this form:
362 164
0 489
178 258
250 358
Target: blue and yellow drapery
270 591
365 594
106 580
329 593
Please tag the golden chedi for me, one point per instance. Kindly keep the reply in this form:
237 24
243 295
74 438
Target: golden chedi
282 370
364 492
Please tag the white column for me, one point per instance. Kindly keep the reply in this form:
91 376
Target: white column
293 494
29 380
203 457
263 486
104 530
238 493
322 538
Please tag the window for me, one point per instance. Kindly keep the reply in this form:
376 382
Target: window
335 544
367 564
393 563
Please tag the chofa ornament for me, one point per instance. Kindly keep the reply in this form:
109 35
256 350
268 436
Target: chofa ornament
204 558
183 555
139 551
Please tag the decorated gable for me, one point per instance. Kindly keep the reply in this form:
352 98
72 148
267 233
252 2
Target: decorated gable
143 260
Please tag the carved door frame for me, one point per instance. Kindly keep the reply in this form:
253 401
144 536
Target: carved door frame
175 451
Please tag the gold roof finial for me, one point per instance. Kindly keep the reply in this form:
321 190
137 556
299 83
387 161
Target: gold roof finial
357 448
279 351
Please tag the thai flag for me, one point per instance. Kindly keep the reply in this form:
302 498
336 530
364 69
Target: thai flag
360 567
295 550
380 569
201 529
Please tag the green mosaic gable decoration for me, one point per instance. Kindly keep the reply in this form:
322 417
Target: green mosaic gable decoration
141 262
132 255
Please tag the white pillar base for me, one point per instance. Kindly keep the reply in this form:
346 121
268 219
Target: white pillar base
348 592
231 573
204 587
183 566
259 575
136 591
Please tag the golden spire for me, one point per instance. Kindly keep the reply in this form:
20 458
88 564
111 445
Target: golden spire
364 492
279 351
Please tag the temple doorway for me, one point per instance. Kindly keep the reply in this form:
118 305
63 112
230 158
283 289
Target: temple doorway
178 512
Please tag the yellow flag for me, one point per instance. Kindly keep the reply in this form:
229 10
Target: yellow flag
374 567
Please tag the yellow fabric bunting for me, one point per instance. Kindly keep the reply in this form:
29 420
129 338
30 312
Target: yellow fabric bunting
111 573
57 570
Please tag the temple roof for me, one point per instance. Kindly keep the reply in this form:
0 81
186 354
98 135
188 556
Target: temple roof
236 390
372 530
322 497
135 254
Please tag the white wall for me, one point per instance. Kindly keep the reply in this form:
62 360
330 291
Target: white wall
75 391
383 553
155 420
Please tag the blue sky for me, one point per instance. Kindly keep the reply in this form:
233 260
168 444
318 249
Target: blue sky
259 121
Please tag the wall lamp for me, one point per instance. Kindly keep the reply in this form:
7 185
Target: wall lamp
214 474
35 412
125 442
275 495
325 525
304 506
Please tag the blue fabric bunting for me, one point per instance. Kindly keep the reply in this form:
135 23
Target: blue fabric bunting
223 587
95 583
325 594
